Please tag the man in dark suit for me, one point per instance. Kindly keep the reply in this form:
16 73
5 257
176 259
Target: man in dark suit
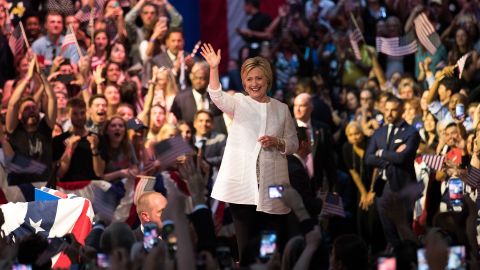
150 206
321 162
211 142
392 151
188 102
298 175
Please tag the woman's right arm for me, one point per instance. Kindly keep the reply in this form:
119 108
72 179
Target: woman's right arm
222 100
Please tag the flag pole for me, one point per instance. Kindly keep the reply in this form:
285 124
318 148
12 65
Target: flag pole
24 35
76 42
356 25
91 24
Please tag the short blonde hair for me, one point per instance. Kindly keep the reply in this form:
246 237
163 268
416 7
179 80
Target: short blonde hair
262 64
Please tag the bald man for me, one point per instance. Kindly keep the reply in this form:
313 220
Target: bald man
150 207
319 163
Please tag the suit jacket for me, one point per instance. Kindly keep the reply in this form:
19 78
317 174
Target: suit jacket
219 124
214 147
398 166
138 234
184 106
324 165
298 175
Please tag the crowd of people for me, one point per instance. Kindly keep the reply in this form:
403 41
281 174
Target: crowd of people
313 149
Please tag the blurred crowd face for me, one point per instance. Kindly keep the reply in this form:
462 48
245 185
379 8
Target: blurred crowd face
61 100
112 94
113 72
454 101
116 130
302 108
443 94
29 113
352 101
429 123
423 101
54 25
101 41
118 53
98 110
32 25
73 21
461 37
78 117
354 135
256 84
366 100
203 124
186 132
125 112
157 117
407 92
393 112
200 79
452 136
175 42
148 15
66 69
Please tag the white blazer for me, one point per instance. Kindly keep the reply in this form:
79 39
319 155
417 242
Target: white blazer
237 179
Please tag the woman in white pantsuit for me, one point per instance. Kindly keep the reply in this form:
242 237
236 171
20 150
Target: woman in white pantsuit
261 135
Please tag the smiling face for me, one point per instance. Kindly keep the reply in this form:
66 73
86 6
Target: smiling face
116 130
29 113
113 72
256 84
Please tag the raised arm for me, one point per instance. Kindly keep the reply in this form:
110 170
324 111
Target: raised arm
51 113
14 103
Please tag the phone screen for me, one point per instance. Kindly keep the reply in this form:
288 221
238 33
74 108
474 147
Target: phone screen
455 190
150 235
103 261
387 263
268 244
224 256
275 191
169 236
21 267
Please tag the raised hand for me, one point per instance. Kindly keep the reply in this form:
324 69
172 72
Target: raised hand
212 58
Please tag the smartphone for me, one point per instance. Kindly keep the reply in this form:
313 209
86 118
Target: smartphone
103 261
21 267
386 263
459 111
455 191
150 235
224 256
163 20
275 191
268 244
456 258
65 79
168 235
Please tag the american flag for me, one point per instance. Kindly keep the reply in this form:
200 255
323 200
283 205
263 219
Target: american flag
332 204
426 33
169 150
434 161
397 46
68 40
355 36
461 64
16 41
51 219
24 165
84 14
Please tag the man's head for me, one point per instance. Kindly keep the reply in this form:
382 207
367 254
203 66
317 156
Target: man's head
448 86
367 99
303 107
97 106
149 14
62 99
66 67
452 135
77 112
251 6
454 101
203 123
393 110
54 23
349 252
28 114
150 207
174 40
199 76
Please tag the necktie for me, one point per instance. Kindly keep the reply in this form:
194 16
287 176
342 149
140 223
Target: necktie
390 134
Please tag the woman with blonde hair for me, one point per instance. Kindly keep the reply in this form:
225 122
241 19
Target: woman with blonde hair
261 135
